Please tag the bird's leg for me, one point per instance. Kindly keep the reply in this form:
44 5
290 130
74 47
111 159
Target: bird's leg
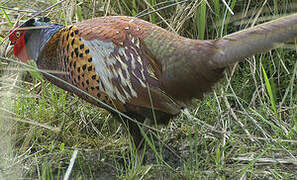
134 132
141 145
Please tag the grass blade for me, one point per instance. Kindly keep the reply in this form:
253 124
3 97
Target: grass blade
201 20
6 17
269 90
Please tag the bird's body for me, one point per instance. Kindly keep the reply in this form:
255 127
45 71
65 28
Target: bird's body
136 67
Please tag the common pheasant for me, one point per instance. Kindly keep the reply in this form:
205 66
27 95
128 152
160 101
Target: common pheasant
139 68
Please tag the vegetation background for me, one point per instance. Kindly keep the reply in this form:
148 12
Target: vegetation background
245 129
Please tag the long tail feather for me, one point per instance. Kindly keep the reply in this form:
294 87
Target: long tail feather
237 46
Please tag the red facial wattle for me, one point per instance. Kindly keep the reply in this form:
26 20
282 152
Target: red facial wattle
19 48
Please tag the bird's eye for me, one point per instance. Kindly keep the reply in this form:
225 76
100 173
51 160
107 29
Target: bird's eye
17 34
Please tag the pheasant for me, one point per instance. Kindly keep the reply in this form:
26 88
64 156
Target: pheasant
140 69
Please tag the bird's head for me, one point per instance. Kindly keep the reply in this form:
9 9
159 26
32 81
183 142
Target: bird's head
29 38
17 38
20 36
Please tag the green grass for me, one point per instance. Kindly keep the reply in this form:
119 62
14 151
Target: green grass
246 127
201 20
269 90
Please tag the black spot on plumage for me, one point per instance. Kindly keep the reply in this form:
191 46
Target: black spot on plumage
98 81
87 51
76 31
92 87
78 69
72 34
70 64
82 84
81 46
76 52
90 68
67 48
97 87
72 54
67 37
103 86
90 60
81 55
83 75
70 27
98 95
87 89
72 42
94 77
87 82
74 64
84 67
78 77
